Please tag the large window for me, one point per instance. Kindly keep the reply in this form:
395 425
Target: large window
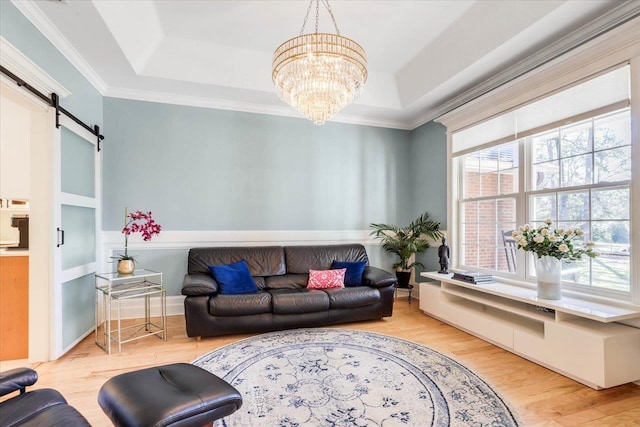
580 177
572 166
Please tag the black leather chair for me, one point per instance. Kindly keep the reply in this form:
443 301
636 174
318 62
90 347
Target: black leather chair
43 407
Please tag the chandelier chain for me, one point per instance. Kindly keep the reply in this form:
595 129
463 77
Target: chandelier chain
304 24
333 18
326 5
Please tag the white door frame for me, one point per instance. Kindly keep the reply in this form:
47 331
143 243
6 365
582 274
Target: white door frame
45 338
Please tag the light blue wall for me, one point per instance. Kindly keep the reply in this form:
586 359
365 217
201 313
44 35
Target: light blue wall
85 102
429 182
207 169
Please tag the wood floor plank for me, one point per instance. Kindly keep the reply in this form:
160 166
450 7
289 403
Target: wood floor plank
580 418
542 397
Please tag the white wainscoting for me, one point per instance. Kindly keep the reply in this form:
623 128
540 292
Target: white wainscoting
113 244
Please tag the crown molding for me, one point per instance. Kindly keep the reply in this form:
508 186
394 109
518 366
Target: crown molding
589 60
245 107
627 11
16 62
51 33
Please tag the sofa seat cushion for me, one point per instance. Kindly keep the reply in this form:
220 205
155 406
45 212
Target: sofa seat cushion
240 305
352 297
286 281
298 301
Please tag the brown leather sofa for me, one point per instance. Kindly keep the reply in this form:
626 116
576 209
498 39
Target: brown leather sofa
283 300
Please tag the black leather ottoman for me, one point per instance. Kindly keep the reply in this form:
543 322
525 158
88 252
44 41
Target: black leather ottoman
172 395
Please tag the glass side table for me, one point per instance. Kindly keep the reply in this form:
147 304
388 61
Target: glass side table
117 287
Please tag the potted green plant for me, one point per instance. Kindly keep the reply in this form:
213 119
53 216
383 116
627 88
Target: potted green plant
407 241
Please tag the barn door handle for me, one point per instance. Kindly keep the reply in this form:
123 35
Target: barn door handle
60 237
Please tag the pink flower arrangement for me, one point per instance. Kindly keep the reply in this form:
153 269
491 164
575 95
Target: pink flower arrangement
138 222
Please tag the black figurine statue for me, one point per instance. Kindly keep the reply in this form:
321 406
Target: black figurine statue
444 252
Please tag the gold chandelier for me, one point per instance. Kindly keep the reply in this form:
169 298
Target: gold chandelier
319 74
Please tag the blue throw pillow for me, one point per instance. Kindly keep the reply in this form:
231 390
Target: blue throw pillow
233 278
354 271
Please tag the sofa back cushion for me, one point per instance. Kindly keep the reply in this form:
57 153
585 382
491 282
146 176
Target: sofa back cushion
261 260
286 281
301 259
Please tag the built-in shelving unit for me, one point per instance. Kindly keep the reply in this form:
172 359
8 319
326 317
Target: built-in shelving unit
575 337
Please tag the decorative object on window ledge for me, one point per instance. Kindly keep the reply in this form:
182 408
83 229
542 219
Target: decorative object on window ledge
444 254
552 246
406 242
319 74
135 222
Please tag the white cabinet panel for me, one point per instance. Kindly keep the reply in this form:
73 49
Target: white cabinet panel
533 345
486 327
578 353
430 301
599 354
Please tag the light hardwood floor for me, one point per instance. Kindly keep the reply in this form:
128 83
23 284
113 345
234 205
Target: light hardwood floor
542 397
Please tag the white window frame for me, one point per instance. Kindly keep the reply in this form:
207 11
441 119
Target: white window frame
618 46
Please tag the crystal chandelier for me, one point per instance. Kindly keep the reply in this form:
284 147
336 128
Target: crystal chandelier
319 74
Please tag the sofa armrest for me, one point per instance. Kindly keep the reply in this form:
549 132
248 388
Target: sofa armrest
377 277
199 284
17 379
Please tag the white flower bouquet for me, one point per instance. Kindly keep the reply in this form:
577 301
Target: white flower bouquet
557 243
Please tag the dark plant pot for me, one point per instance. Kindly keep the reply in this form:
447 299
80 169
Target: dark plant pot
403 278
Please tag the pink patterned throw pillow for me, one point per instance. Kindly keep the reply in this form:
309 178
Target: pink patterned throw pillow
325 279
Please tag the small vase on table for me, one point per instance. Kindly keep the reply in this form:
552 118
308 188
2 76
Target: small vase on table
126 266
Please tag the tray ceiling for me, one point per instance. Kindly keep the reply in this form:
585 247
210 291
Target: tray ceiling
218 53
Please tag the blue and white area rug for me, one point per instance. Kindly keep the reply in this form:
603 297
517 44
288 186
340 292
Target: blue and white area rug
341 377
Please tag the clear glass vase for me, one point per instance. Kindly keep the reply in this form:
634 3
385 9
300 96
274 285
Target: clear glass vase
549 274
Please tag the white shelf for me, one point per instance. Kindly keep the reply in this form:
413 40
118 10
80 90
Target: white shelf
578 307
575 337
511 306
